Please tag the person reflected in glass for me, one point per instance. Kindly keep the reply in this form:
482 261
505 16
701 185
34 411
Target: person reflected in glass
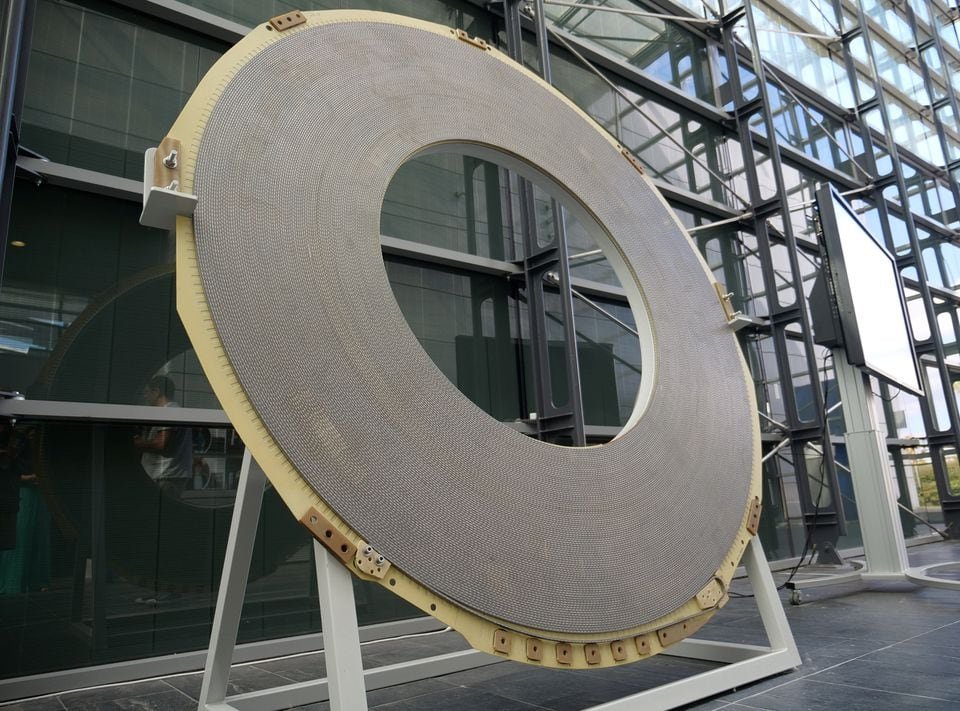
167 451
25 555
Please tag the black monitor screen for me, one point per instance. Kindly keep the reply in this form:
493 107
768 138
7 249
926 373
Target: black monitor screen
870 305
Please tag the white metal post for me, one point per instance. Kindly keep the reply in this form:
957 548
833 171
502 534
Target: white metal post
880 527
341 637
233 583
743 663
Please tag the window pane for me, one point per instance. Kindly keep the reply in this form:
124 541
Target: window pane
101 89
87 308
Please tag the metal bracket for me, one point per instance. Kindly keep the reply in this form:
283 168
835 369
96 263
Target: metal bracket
281 23
632 159
753 519
725 301
162 198
370 561
475 41
327 534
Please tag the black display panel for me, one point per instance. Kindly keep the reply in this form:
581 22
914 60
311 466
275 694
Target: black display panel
866 295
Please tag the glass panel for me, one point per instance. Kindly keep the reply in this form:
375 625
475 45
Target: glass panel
474 326
951 465
918 316
610 363
107 564
786 293
803 57
818 13
928 495
807 129
892 67
803 393
931 57
815 463
907 416
450 201
657 47
87 308
761 357
936 398
453 13
101 89
886 14
656 136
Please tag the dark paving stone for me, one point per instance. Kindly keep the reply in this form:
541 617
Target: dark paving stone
171 700
242 680
808 695
461 699
562 690
402 692
296 669
79 699
895 678
944 636
711 705
480 675
50 703
917 657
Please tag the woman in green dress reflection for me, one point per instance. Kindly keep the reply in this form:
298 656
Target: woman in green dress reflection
24 566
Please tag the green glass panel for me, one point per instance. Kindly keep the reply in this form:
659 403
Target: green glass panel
106 564
87 308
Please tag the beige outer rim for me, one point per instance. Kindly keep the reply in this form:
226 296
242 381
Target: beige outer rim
584 651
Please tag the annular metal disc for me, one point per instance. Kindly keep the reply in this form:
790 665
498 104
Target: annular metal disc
290 144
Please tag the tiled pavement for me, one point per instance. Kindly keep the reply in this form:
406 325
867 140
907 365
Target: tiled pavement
893 646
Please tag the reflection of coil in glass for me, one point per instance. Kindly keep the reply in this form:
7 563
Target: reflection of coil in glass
153 540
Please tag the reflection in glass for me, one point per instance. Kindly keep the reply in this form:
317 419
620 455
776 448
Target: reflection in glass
474 326
101 89
87 308
106 567
657 47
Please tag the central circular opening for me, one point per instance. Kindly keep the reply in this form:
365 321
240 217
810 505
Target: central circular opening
507 283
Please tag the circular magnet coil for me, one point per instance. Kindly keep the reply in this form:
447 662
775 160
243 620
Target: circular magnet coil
289 144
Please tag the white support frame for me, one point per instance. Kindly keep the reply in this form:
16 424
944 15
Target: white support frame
347 682
884 548
743 663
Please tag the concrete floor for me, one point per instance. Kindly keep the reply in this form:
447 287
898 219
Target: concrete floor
886 646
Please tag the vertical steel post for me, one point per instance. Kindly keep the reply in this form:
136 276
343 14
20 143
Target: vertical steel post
16 29
824 522
553 422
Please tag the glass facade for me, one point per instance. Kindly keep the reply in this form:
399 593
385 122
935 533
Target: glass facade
103 559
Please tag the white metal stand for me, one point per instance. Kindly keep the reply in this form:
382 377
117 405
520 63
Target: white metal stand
743 663
883 545
347 682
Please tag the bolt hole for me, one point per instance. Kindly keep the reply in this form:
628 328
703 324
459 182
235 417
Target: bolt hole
393 581
269 28
328 533
433 607
343 547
